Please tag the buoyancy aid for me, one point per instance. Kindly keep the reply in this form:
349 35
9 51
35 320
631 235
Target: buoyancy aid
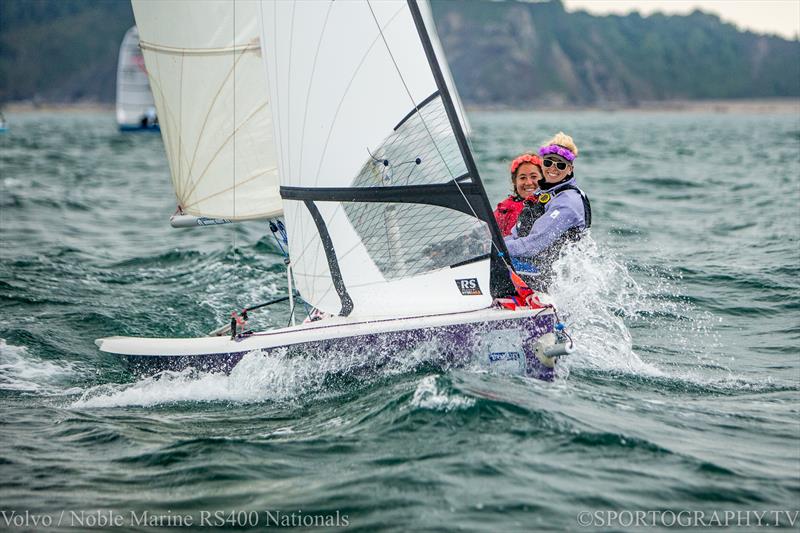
507 213
533 208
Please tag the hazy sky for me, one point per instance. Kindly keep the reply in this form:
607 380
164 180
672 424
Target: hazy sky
762 16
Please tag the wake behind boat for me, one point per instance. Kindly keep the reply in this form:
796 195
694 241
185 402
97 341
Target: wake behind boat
352 129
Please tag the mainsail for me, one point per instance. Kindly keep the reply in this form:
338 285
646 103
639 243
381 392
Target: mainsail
134 99
205 68
386 212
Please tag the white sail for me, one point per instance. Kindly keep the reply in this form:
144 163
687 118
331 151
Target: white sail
359 116
134 99
205 68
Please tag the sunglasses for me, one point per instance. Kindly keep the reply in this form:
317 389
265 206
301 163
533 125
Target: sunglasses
560 165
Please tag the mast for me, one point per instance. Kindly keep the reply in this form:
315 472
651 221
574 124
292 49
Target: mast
501 285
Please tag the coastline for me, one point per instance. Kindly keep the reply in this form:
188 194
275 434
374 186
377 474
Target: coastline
52 107
755 105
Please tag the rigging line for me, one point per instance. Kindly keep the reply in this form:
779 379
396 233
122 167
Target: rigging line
335 117
274 95
280 228
344 95
233 134
461 139
411 171
308 93
425 124
408 91
336 210
386 232
338 207
379 160
289 90
274 103
180 117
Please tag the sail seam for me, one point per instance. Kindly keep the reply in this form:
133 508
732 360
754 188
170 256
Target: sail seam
205 123
347 90
231 138
338 109
180 118
335 117
238 184
308 92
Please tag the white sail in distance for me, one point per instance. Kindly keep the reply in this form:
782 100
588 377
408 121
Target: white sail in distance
374 179
134 99
206 72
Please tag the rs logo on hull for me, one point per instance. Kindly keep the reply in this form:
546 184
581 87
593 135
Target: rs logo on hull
469 287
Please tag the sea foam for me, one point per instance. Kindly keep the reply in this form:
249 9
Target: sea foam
20 370
595 294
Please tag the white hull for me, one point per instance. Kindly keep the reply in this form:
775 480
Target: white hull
322 330
511 341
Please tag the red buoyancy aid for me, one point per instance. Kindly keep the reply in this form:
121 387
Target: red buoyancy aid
507 213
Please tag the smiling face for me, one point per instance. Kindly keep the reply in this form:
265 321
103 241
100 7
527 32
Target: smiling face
552 174
526 179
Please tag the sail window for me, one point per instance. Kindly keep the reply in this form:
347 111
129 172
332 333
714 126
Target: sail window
422 150
405 240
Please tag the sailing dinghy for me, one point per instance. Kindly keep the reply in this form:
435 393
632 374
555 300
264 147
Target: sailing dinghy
135 108
352 128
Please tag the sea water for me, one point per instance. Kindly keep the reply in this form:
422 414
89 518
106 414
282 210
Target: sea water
683 395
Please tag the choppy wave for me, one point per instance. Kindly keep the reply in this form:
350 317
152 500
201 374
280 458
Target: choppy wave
683 391
274 377
594 291
430 395
23 371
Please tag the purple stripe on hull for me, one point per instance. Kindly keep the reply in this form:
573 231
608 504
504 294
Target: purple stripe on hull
458 343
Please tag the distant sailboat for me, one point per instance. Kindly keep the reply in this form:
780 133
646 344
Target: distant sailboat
391 235
135 107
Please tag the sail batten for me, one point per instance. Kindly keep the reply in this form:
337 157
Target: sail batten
254 46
